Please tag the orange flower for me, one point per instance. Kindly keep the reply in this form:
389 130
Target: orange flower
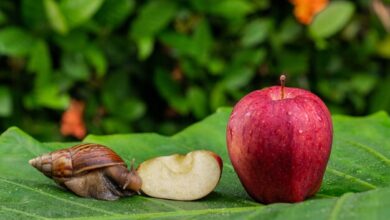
305 10
72 120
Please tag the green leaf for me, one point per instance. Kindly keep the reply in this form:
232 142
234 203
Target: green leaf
116 88
202 42
383 48
40 61
5 102
217 96
363 83
15 41
180 44
130 109
75 41
114 12
56 17
249 57
200 5
216 66
170 91
356 184
332 19
116 100
115 125
78 12
190 69
145 47
381 97
335 90
3 18
153 17
75 66
49 95
243 68
197 101
289 31
33 14
294 63
237 77
229 9
95 57
255 32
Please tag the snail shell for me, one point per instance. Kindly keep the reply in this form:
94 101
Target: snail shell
89 170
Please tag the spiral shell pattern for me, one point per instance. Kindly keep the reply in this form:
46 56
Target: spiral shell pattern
43 164
65 163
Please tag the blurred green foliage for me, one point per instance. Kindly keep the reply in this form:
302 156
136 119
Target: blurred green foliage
159 65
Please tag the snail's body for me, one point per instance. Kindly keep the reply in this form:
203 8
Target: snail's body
89 170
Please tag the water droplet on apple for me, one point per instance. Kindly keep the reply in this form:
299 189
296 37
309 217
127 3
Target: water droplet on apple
230 133
248 114
289 113
300 131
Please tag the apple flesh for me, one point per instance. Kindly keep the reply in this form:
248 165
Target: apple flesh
181 177
279 140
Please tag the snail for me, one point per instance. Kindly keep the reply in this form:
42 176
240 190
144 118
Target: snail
90 170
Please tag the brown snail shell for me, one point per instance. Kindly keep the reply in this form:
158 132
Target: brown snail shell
89 170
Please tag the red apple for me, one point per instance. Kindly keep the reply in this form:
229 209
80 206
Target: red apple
279 141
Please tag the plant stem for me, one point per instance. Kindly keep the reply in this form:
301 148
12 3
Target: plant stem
282 82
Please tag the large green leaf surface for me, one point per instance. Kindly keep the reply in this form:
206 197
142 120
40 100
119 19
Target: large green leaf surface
356 183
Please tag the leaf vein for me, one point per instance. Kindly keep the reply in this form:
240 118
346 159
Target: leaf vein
228 166
173 213
22 212
56 197
370 150
320 195
337 207
157 201
352 178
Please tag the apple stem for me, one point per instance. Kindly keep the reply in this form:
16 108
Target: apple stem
282 82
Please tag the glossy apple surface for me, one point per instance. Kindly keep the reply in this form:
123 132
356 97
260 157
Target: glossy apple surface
279 147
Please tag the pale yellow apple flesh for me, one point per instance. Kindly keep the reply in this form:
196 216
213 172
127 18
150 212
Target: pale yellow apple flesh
181 177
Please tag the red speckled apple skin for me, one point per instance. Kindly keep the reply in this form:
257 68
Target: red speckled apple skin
280 147
218 159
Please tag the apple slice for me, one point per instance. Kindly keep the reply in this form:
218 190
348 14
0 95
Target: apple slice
181 177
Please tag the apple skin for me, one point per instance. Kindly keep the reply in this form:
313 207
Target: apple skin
280 147
218 159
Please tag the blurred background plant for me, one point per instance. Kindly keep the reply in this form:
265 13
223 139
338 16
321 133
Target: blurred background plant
117 66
